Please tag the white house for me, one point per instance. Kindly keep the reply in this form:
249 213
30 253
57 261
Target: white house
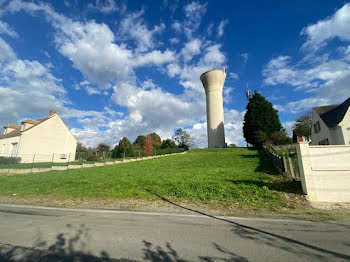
331 124
40 140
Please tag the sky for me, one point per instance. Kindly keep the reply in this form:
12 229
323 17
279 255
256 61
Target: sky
114 69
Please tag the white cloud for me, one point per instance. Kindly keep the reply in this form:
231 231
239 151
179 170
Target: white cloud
194 13
245 57
233 76
6 29
133 27
191 49
221 27
337 25
107 6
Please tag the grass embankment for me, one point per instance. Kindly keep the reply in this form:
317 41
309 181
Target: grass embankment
227 177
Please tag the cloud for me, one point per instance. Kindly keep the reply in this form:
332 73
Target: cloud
191 49
245 57
233 76
221 27
106 7
194 12
132 27
336 26
6 29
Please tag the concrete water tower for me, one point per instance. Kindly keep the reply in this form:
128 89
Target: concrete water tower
213 82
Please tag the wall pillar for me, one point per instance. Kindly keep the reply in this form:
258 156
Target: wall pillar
305 168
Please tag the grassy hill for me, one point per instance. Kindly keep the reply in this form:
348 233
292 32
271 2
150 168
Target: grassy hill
226 177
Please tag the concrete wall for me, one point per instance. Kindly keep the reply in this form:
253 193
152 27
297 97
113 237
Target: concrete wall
213 82
325 172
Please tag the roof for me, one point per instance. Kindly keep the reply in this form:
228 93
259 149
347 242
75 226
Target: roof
332 115
17 128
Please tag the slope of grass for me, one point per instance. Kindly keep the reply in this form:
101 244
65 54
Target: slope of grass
238 177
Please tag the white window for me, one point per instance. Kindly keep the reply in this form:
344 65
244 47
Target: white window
14 149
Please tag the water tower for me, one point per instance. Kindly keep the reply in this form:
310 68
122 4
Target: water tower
213 82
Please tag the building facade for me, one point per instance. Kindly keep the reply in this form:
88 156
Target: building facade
41 140
331 124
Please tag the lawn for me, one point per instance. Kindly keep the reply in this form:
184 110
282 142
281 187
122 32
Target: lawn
227 177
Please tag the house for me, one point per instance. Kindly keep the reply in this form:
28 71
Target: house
331 124
42 140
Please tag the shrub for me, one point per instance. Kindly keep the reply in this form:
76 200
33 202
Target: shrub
9 160
91 158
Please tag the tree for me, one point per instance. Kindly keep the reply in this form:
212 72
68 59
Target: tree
124 148
260 120
302 125
156 141
182 139
280 137
148 147
81 147
102 147
139 142
168 143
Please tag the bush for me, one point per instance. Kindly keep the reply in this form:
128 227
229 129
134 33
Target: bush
91 158
9 160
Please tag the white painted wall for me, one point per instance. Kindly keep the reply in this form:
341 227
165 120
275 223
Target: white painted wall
345 128
325 172
47 140
339 135
6 145
324 132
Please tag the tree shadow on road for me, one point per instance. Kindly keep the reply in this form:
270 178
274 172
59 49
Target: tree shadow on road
71 247
169 254
67 247
264 237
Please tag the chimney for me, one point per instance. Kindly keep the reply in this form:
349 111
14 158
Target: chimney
52 112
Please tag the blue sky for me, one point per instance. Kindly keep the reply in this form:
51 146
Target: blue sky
124 68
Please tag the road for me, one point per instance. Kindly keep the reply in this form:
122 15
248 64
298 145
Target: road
54 234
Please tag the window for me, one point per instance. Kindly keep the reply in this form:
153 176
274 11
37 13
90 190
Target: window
317 127
324 142
14 149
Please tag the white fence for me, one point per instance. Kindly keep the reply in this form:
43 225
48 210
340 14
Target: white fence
325 172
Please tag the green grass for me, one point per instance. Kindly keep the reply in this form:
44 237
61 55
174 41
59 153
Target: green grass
235 177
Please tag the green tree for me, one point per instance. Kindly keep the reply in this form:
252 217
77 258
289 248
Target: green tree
156 141
102 147
148 147
139 142
302 125
280 137
168 143
123 148
182 138
81 147
260 120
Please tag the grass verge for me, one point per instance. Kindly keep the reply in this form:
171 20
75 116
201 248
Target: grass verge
225 179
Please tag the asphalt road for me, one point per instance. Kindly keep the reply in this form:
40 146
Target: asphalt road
53 234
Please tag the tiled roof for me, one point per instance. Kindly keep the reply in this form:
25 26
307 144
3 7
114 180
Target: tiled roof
17 128
334 114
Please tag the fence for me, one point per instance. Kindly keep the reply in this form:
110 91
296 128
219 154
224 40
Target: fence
325 172
44 162
285 159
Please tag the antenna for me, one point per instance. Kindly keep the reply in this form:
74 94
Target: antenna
248 93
